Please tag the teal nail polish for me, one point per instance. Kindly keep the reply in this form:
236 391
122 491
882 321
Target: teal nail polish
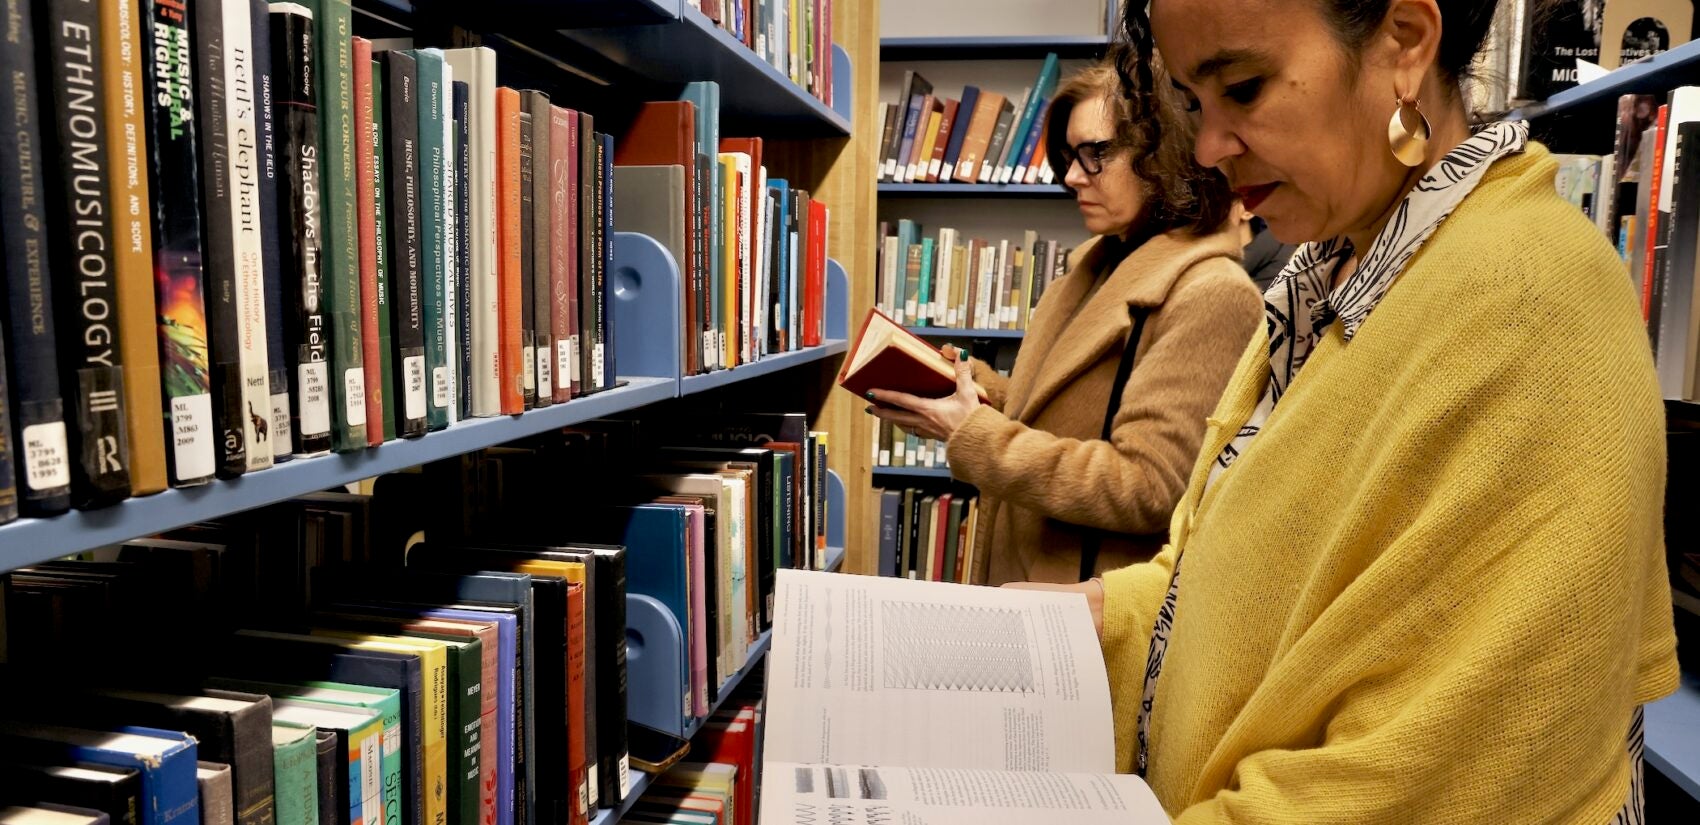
870 395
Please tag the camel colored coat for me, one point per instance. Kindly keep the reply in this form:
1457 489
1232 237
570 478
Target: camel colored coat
1046 479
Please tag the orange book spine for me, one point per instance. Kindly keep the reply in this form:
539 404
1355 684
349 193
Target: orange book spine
366 170
132 236
1650 235
577 758
509 264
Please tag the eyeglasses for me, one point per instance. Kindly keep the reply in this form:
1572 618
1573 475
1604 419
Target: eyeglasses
1090 155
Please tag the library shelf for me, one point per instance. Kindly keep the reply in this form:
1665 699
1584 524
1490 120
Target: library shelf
1672 747
1658 73
1013 47
692 384
752 92
610 816
952 332
975 190
913 472
29 541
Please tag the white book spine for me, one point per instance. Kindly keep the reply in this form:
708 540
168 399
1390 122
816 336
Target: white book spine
983 300
477 66
893 265
941 278
243 162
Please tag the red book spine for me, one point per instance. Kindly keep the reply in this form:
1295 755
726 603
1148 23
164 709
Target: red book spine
579 764
814 288
509 265
368 206
1650 236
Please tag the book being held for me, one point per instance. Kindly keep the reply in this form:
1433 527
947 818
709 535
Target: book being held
942 703
888 357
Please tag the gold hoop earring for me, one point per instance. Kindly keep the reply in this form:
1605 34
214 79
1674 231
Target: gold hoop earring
1408 132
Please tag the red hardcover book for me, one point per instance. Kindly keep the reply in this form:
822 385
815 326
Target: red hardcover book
886 356
942 523
563 259
730 739
814 287
364 164
578 761
664 134
508 269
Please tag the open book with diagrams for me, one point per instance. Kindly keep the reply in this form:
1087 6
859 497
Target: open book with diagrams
921 703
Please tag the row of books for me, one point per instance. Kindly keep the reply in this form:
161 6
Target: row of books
1646 197
793 36
893 447
984 137
751 249
491 665
720 785
930 536
269 241
964 283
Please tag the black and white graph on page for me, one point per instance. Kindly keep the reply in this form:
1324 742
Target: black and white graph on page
957 647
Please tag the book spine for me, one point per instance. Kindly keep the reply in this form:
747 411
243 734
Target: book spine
333 794
433 239
407 327
306 332
608 369
508 224
367 187
383 373
587 297
42 452
253 768
8 481
297 783
527 284
121 52
571 366
80 247
333 31
611 670
577 760
463 242
453 220
542 245
282 437
562 255
243 121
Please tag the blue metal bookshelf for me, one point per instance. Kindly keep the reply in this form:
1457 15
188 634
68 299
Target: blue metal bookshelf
1672 744
913 472
951 332
992 48
1658 73
974 190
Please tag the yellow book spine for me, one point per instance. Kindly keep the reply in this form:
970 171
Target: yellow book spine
729 240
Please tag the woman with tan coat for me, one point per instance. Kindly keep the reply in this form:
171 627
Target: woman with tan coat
1070 482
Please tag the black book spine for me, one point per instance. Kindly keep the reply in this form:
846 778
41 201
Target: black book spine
271 260
80 248
401 161
304 328
611 672
42 452
174 184
119 798
527 240
333 763
605 248
588 301
541 191
463 245
8 483
224 349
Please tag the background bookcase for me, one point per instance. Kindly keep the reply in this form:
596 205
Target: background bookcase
605 56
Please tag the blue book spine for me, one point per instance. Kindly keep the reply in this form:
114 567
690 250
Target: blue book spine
959 131
910 127
606 203
41 451
1031 145
463 244
655 555
1041 92
170 793
781 262
271 257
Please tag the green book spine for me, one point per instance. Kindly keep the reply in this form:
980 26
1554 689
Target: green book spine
386 352
469 722
334 27
924 290
295 772
432 256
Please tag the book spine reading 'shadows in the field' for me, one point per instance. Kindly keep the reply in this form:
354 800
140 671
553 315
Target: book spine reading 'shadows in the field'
80 248
333 30
306 331
41 451
219 251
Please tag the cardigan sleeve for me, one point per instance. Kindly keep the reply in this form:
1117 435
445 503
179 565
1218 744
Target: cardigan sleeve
1130 483
995 383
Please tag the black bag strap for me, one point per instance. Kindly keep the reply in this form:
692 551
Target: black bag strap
1094 539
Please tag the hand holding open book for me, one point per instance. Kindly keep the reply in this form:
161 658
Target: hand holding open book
892 700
